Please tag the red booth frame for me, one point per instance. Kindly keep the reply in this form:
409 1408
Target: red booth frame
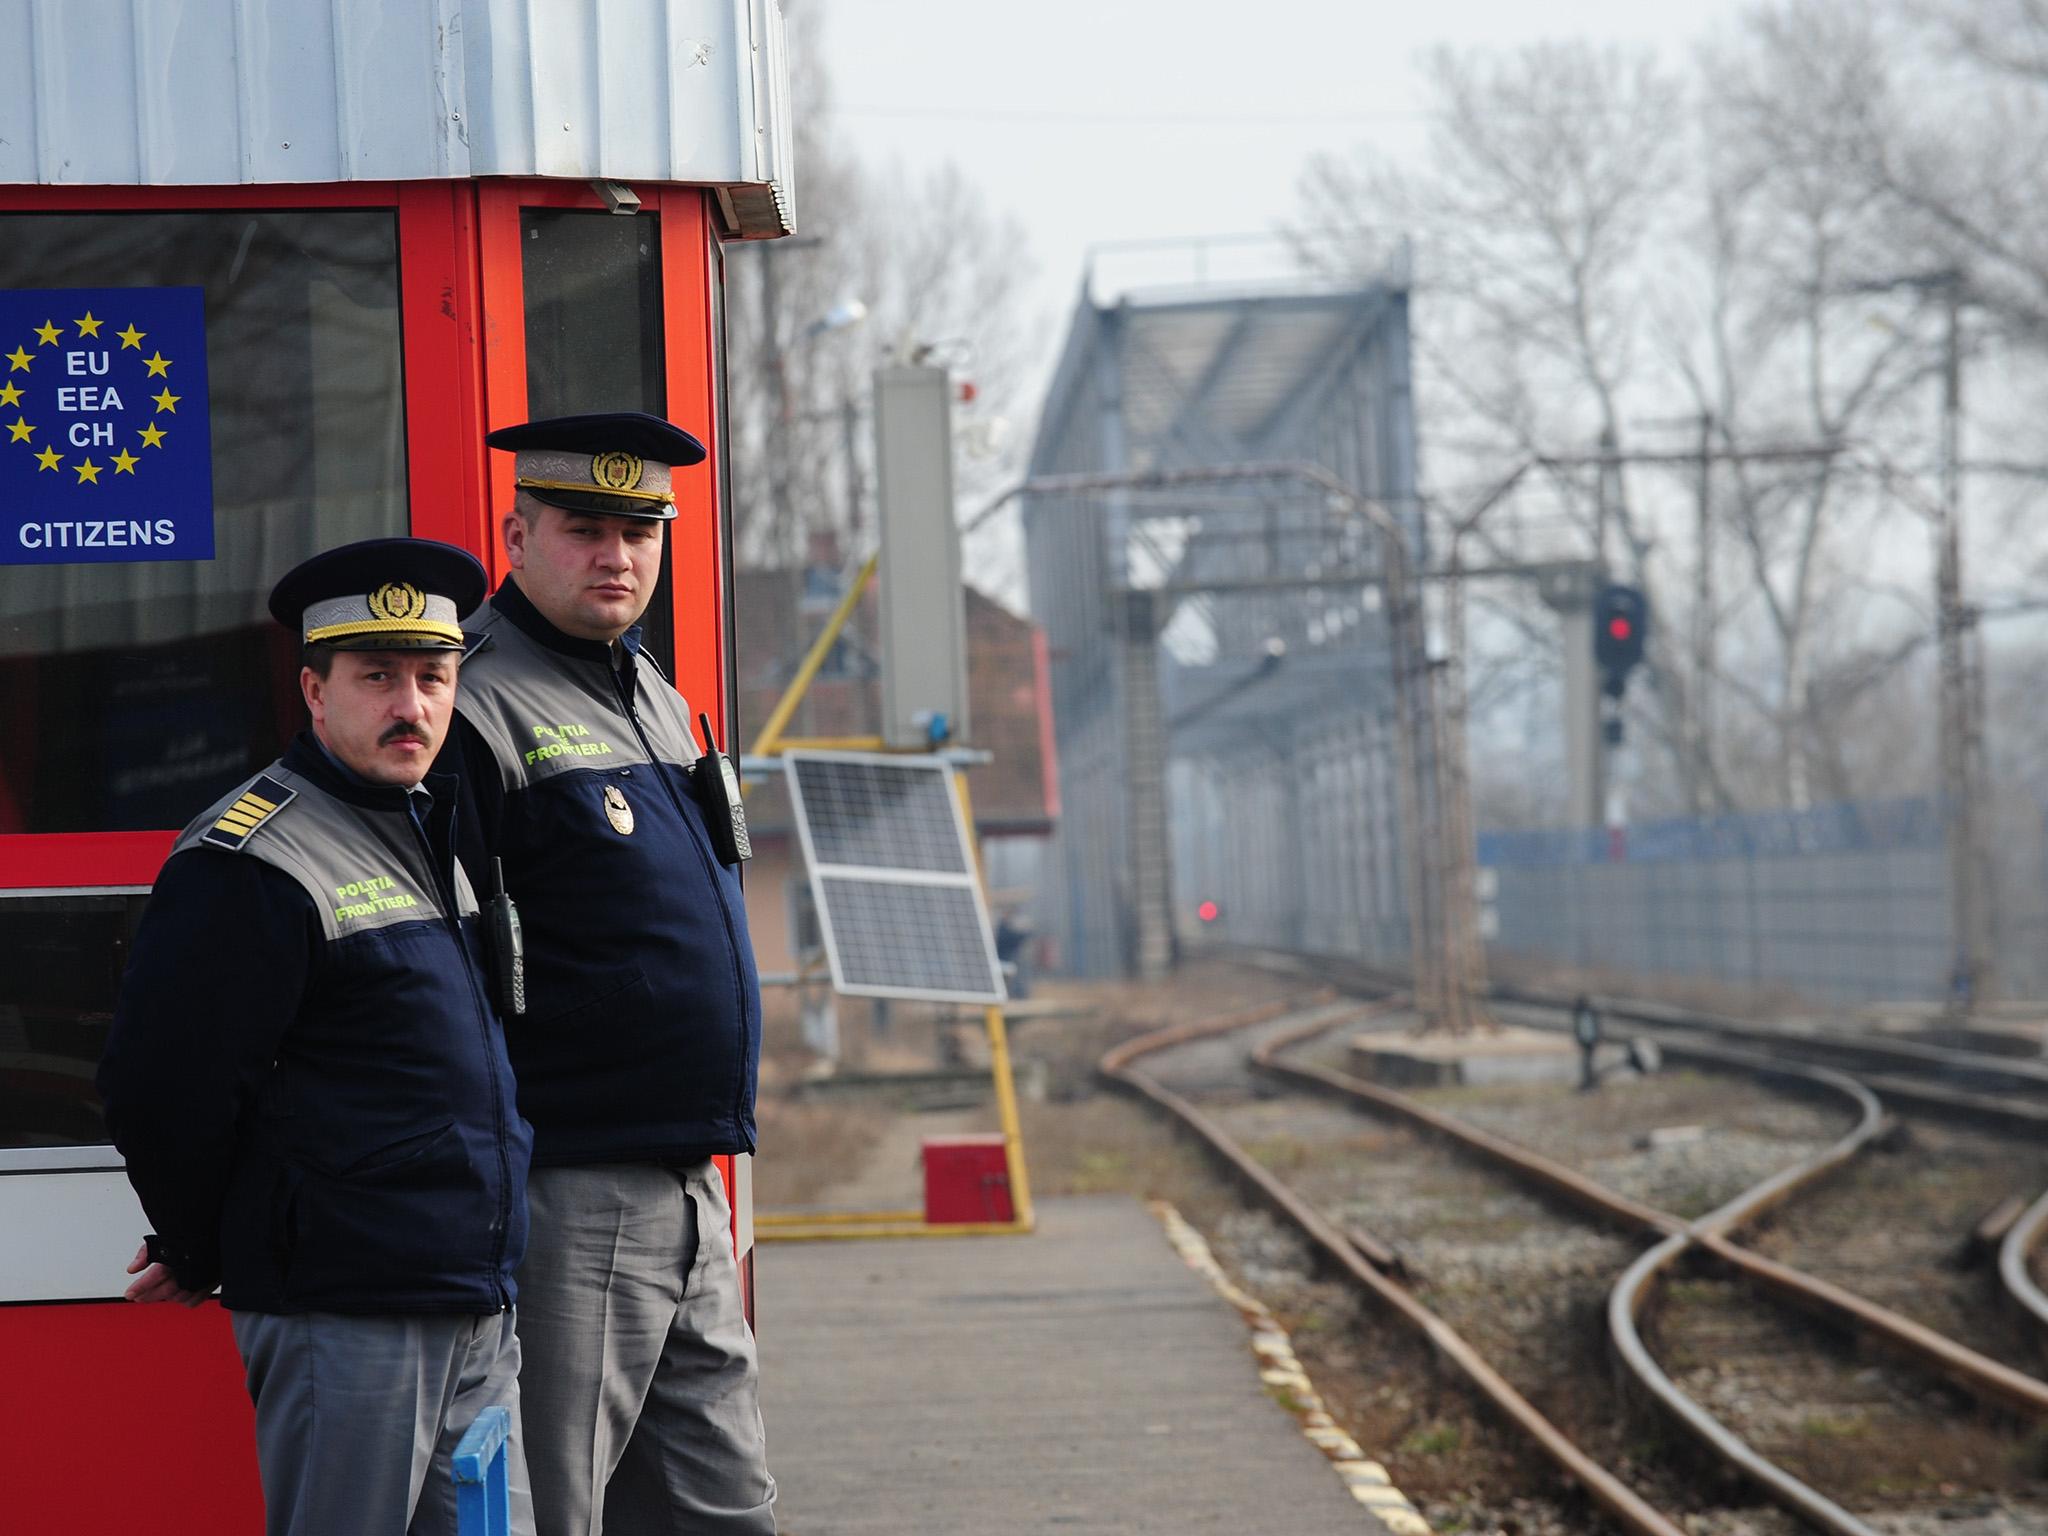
124 1415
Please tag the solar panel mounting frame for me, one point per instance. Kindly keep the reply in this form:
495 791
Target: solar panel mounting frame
965 877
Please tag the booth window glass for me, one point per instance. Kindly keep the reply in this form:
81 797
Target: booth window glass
61 959
593 340
133 693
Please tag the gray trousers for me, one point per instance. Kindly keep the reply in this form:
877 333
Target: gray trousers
357 1418
643 1412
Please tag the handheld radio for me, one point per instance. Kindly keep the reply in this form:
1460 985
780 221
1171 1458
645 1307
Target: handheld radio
718 792
508 947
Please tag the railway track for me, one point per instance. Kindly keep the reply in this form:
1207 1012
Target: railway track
1675 1240
1989 1080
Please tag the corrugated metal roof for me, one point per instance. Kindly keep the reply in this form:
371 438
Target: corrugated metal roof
226 92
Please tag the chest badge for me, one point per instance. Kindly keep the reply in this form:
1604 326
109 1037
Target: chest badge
617 812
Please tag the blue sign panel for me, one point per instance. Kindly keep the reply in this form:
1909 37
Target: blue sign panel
105 453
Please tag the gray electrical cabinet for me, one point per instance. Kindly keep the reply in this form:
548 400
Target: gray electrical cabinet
924 619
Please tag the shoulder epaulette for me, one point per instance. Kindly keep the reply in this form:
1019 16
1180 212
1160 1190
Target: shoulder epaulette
254 806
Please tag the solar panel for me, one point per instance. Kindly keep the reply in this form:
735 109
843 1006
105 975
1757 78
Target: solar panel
893 876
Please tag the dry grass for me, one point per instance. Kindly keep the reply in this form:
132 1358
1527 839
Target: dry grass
807 1148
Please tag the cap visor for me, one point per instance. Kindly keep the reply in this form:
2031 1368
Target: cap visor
603 505
401 640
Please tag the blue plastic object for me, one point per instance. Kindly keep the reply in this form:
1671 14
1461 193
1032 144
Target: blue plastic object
483 1496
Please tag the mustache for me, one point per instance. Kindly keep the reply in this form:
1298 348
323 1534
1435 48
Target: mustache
402 732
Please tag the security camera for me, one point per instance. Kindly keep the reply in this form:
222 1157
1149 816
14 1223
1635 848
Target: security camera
618 197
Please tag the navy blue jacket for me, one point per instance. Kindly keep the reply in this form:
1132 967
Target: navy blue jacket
643 1027
305 1073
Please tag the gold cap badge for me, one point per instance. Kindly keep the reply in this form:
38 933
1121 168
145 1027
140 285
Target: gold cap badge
397 600
616 471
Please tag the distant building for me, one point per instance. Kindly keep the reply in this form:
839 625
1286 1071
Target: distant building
1015 797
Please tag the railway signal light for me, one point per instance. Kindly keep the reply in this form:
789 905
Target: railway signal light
1621 623
1208 911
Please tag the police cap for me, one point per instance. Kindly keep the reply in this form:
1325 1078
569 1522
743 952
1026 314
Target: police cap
382 594
615 462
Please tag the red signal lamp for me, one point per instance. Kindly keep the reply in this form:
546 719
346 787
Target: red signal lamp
1208 911
1620 628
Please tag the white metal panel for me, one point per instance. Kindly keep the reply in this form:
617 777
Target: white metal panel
69 1235
221 92
188 115
400 123
83 55
562 79
290 116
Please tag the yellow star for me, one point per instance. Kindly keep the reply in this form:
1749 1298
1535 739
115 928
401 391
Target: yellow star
167 401
156 365
131 337
48 333
49 458
89 326
10 394
88 471
18 360
18 430
125 462
152 436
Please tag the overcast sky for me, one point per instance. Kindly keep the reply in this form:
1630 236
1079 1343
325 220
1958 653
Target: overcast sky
1116 120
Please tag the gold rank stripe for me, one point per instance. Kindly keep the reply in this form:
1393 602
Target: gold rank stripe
249 811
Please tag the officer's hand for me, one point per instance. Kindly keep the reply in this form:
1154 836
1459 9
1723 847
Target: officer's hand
155 1282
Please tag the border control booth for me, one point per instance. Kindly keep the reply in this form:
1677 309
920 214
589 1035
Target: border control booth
268 274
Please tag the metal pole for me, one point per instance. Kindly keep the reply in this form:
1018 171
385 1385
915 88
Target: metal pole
1417 856
1464 955
849 426
1464 958
1700 695
777 366
1960 724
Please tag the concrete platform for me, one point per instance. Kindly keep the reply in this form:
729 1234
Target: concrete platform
1510 1054
1080 1379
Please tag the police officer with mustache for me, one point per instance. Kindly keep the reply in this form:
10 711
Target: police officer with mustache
309 1082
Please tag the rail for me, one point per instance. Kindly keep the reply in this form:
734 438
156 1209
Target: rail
1360 1255
2013 1253
1634 1513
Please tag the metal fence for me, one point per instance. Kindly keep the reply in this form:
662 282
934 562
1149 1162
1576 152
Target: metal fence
1844 903
1296 838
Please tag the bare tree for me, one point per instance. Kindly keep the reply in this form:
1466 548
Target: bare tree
936 275
1608 254
1785 352
1550 170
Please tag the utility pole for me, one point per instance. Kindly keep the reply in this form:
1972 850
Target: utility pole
1462 972
1962 745
1700 696
1960 708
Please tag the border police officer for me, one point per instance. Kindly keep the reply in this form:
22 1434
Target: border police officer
638 1054
310 1085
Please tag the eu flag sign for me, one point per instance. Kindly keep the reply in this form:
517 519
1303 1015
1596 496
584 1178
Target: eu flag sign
105 454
